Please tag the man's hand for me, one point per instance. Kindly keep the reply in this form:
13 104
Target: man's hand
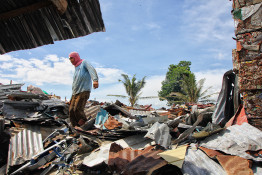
95 84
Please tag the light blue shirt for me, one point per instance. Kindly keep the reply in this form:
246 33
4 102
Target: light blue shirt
82 78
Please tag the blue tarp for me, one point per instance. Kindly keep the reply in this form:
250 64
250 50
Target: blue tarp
101 118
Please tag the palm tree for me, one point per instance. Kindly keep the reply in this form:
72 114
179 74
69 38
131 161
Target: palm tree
133 88
192 91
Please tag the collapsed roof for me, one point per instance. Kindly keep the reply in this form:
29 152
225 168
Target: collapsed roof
26 24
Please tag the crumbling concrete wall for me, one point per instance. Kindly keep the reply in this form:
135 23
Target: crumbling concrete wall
247 57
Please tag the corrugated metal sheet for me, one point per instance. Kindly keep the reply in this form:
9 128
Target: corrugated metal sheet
10 87
112 123
140 112
24 144
145 163
113 109
198 163
91 111
119 157
160 133
19 109
235 164
235 140
102 153
45 25
128 161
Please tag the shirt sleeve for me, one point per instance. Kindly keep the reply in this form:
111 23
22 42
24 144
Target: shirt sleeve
91 71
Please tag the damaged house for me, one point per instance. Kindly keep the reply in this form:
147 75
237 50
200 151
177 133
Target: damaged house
36 137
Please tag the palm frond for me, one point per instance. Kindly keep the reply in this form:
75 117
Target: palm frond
122 96
149 97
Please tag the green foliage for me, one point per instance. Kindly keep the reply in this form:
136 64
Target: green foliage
180 85
172 82
193 91
133 88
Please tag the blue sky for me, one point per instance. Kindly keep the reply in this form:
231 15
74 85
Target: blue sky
142 37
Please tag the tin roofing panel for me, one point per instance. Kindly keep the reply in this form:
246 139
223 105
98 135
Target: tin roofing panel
196 162
92 111
236 140
24 144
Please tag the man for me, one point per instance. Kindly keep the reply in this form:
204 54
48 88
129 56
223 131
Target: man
81 88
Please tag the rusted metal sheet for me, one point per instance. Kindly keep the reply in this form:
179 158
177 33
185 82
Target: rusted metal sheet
24 144
196 162
231 164
91 111
112 123
211 153
145 163
236 140
45 24
234 164
119 157
102 154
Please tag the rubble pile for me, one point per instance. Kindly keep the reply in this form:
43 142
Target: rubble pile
37 137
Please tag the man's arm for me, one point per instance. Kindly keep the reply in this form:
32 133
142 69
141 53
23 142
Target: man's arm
93 74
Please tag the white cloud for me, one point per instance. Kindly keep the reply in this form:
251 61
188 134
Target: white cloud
205 20
53 58
4 58
101 93
6 65
135 28
221 56
216 64
109 75
4 81
213 78
153 85
38 72
153 26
